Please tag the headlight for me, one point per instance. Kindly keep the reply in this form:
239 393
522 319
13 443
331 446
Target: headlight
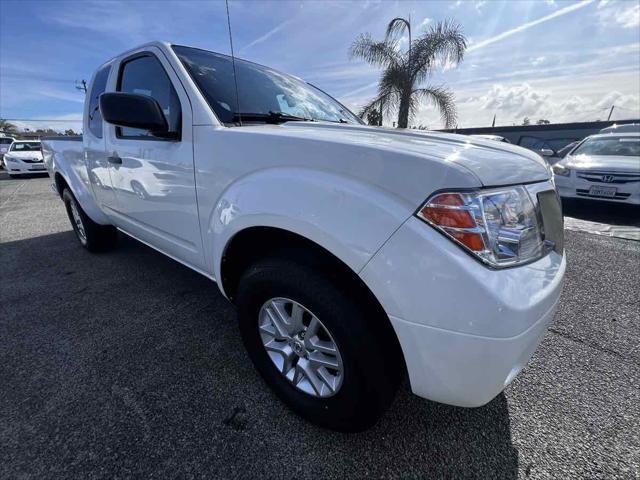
501 227
10 159
561 170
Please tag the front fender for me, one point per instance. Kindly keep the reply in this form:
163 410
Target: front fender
347 217
67 159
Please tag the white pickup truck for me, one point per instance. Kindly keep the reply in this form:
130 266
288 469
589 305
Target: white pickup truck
355 255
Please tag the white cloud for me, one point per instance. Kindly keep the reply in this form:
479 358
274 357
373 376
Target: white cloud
479 4
528 25
538 60
425 23
517 100
625 15
626 102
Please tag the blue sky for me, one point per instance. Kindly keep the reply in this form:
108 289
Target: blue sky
560 60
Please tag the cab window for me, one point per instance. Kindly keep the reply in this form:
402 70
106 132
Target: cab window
97 89
145 75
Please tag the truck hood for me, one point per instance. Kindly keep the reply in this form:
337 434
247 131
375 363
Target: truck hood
492 163
609 163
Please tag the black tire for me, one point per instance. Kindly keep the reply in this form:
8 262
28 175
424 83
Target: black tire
371 376
96 237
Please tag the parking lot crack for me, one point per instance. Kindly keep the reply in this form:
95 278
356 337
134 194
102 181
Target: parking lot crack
589 344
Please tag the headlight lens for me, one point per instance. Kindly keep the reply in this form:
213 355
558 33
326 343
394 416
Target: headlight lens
561 170
501 227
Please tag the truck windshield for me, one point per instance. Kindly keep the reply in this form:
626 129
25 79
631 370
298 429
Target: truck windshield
625 146
265 95
25 147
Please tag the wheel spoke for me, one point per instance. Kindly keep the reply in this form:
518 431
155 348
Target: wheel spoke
324 346
268 329
276 320
310 374
318 359
296 325
285 351
330 381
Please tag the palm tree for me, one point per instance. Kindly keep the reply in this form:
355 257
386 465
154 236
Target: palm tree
7 127
404 72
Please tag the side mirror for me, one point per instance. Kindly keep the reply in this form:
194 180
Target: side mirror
135 111
546 152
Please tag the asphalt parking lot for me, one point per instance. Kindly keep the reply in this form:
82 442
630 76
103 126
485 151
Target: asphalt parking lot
128 364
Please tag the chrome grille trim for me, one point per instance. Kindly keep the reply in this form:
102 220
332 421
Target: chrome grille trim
608 177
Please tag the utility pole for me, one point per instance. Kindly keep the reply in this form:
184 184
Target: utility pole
494 121
610 112
81 85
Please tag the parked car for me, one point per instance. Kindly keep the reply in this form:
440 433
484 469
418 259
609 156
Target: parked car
24 157
560 154
495 138
354 254
602 167
627 128
5 143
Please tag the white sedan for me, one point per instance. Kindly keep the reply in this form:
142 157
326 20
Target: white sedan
24 157
602 167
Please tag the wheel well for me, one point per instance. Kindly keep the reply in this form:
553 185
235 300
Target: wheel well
252 244
61 183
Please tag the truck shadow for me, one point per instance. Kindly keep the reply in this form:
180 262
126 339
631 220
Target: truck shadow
133 354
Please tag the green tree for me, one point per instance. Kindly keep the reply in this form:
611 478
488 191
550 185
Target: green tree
404 72
374 117
526 121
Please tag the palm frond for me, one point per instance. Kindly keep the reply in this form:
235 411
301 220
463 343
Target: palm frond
383 54
396 28
443 42
443 99
388 101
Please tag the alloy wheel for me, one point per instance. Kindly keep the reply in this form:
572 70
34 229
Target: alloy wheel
301 347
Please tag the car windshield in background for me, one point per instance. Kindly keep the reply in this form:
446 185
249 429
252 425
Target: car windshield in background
622 146
266 95
25 147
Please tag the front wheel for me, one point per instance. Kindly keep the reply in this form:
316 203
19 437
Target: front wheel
315 346
92 236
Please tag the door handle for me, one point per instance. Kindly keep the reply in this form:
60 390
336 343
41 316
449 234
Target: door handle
116 160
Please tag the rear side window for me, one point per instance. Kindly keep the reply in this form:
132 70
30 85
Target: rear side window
97 89
145 75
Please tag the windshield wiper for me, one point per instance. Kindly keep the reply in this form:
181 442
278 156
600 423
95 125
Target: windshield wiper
271 117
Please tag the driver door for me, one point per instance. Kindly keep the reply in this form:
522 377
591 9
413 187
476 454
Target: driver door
153 177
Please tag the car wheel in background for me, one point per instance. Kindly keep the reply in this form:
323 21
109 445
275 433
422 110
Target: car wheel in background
93 236
315 345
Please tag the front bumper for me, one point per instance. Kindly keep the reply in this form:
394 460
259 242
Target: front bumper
575 187
23 168
465 330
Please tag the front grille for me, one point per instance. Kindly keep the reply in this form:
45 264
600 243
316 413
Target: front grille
608 177
617 196
31 160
